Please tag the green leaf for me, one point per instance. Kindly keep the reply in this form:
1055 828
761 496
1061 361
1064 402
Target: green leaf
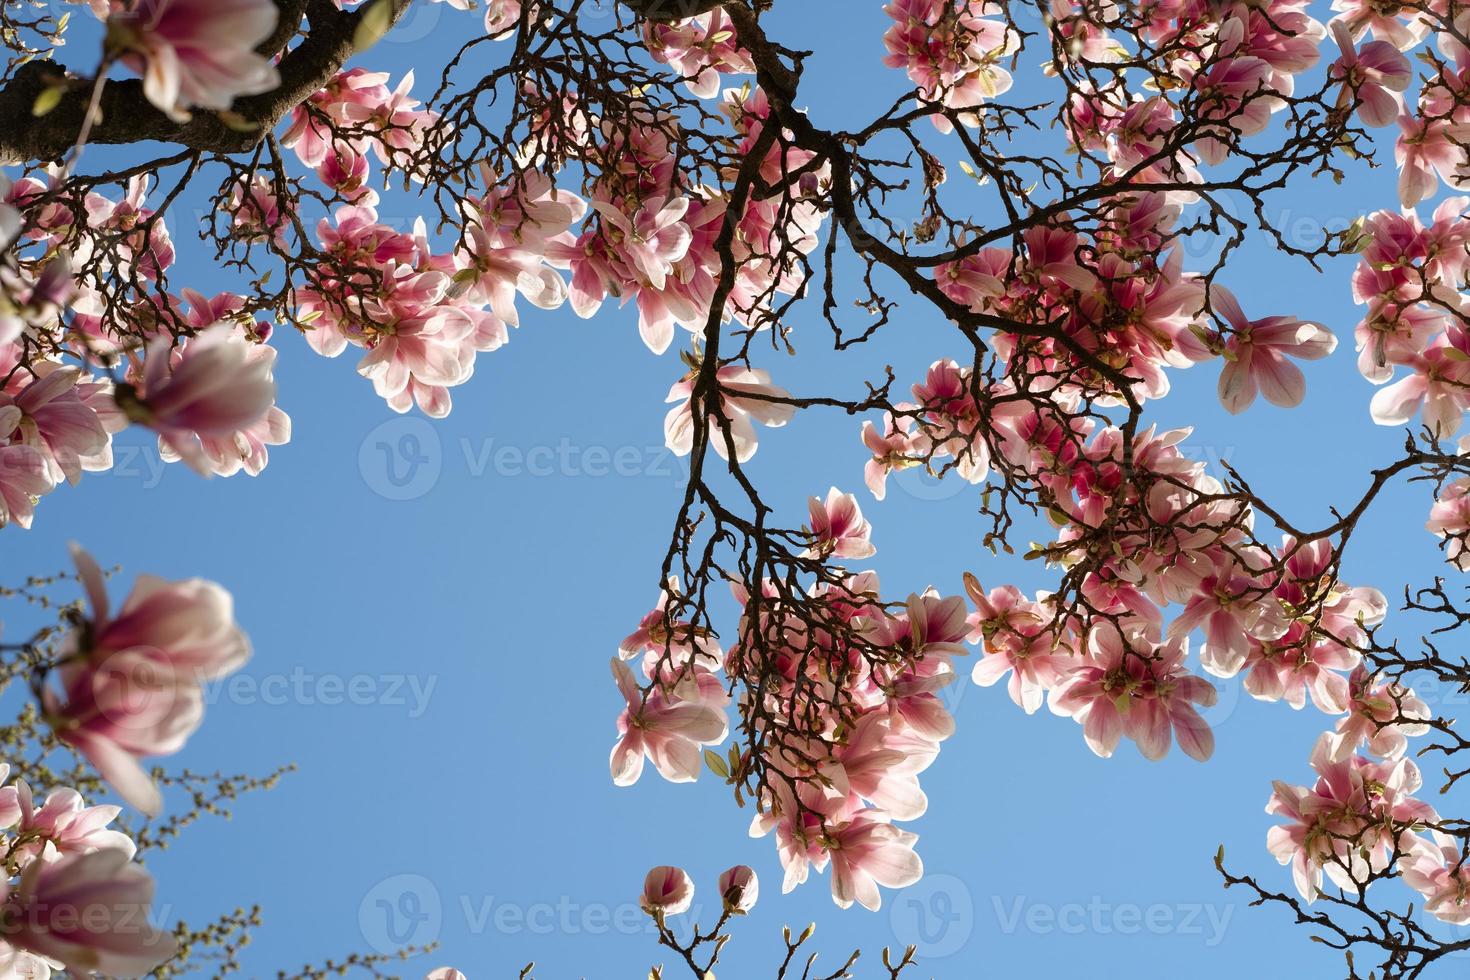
374 23
716 764
49 99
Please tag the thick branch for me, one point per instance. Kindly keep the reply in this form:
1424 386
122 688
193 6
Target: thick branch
671 10
128 117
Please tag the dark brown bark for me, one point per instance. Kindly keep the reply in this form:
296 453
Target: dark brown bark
128 117
669 10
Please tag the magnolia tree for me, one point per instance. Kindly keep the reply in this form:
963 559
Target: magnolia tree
656 152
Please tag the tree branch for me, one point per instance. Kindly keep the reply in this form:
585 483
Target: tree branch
128 117
665 11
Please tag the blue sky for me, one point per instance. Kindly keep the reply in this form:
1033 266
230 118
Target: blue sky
433 606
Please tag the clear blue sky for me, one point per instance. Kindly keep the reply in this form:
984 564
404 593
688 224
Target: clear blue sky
433 606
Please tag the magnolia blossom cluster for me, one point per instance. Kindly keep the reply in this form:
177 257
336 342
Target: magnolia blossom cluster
1167 536
1119 294
679 705
210 397
1232 68
871 723
1413 341
356 116
1361 817
700 48
422 316
1228 68
871 720
1408 278
953 53
654 235
71 896
205 54
131 682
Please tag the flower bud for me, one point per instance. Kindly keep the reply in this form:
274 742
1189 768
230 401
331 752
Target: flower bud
739 888
668 890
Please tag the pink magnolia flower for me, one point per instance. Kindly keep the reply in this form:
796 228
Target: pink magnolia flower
700 49
1327 630
132 683
881 764
1441 873
868 851
217 386
64 825
952 53
1349 823
649 243
57 420
667 891
667 727
1428 151
1297 665
1233 608
1235 92
1138 689
1372 77
1400 25
1392 334
1450 519
25 475
417 343
394 121
501 16
1439 383
739 888
1257 353
658 633
838 528
744 395
145 245
196 52
493 268
246 448
1382 714
345 172
21 965
445 973
896 448
258 214
1016 641
88 912
310 136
